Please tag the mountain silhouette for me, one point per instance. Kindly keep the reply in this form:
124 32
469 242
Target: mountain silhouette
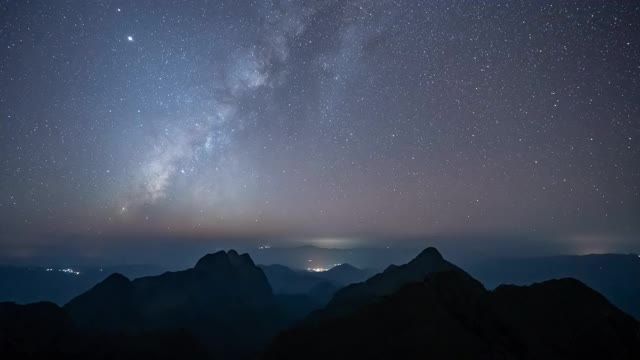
45 331
224 308
30 284
319 287
225 300
449 315
390 280
613 275
284 280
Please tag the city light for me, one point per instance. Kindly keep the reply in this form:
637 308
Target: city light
322 269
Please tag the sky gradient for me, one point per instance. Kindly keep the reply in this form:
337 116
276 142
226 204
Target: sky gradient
151 119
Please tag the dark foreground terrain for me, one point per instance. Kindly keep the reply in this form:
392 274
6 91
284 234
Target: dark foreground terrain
613 275
225 308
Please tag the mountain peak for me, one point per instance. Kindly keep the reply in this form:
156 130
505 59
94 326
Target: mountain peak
114 283
428 254
392 279
224 290
343 267
212 260
224 259
239 260
428 260
116 278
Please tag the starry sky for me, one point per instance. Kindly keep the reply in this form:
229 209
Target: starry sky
319 119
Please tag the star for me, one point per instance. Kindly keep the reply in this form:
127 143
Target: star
393 121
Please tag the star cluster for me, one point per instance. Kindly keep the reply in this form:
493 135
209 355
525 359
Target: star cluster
315 118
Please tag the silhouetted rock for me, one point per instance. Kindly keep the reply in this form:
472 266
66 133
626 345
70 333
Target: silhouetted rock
35 329
225 300
390 280
295 307
565 319
107 306
449 315
613 275
45 331
322 292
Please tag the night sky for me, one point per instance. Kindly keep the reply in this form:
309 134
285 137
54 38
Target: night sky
351 120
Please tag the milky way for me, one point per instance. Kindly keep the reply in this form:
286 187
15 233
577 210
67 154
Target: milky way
359 119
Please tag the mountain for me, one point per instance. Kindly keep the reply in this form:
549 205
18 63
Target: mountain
566 319
301 257
284 280
390 280
446 314
345 274
225 301
45 331
614 275
298 292
28 284
318 286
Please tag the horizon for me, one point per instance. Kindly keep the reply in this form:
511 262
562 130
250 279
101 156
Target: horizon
270 250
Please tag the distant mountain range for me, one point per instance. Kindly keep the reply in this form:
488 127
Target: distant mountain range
613 275
59 284
225 307
308 256
319 286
